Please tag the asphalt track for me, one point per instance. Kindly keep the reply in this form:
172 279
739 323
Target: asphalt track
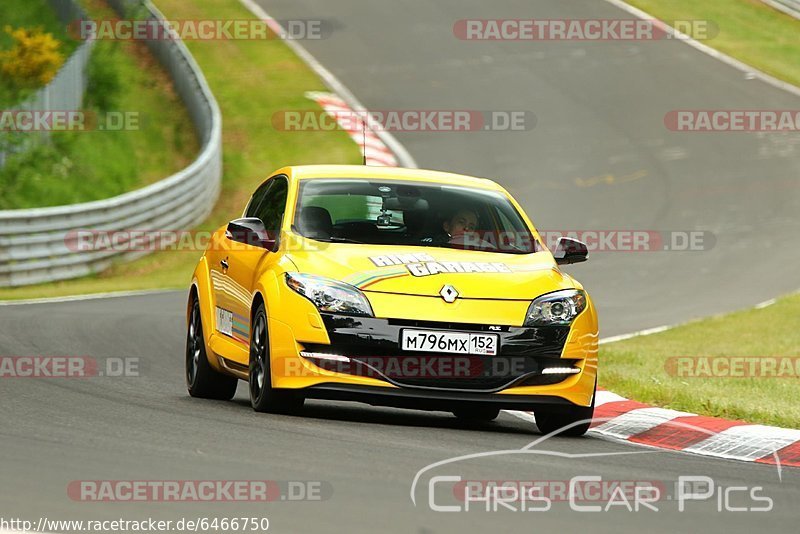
600 109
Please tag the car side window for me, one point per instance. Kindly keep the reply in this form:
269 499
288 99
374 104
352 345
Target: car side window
516 236
273 205
257 199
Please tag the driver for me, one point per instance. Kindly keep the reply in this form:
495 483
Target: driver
461 229
460 223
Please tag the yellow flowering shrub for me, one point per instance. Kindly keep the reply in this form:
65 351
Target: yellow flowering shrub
34 59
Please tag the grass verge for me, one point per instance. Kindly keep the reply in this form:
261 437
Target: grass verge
251 81
749 30
641 368
81 166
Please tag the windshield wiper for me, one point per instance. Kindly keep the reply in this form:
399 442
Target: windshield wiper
337 239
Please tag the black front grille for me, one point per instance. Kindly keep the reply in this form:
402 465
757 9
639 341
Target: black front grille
373 347
434 325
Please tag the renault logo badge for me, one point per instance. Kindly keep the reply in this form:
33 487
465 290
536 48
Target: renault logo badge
448 293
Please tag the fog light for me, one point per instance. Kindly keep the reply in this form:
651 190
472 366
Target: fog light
324 356
560 371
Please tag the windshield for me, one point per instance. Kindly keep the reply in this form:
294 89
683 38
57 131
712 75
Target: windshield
384 212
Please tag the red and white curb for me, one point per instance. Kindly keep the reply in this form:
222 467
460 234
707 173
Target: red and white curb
641 424
619 419
372 147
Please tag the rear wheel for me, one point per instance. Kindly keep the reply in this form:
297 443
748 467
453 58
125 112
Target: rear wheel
482 413
263 397
574 422
201 380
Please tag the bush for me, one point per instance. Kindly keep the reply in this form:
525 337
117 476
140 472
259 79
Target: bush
104 79
34 59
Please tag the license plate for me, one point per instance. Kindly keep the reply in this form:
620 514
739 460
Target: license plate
225 321
453 342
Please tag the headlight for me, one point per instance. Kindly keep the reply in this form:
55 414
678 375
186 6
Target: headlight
557 308
330 295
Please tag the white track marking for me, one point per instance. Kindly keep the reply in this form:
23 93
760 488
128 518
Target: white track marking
765 304
335 85
716 54
783 8
645 332
88 296
604 397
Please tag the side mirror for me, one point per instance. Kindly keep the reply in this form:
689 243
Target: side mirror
569 251
250 231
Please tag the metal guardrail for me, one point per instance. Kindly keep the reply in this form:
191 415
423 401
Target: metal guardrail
34 243
64 92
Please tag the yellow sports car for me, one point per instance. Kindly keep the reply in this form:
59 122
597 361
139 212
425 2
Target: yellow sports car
395 287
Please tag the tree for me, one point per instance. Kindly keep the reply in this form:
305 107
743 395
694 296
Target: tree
34 59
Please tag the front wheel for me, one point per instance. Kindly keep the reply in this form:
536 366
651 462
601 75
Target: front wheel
263 397
574 422
201 380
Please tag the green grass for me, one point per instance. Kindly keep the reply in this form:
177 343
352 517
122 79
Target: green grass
29 14
637 368
749 30
93 165
251 80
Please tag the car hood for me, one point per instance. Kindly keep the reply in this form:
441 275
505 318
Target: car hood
425 270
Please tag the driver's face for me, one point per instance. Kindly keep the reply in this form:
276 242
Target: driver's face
462 222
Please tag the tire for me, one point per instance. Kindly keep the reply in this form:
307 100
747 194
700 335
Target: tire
549 421
263 397
201 380
483 414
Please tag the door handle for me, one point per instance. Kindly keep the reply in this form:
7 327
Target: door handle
224 264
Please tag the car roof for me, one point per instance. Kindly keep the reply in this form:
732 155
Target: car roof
304 172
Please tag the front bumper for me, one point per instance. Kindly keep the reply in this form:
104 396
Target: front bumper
527 356
446 401
358 346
